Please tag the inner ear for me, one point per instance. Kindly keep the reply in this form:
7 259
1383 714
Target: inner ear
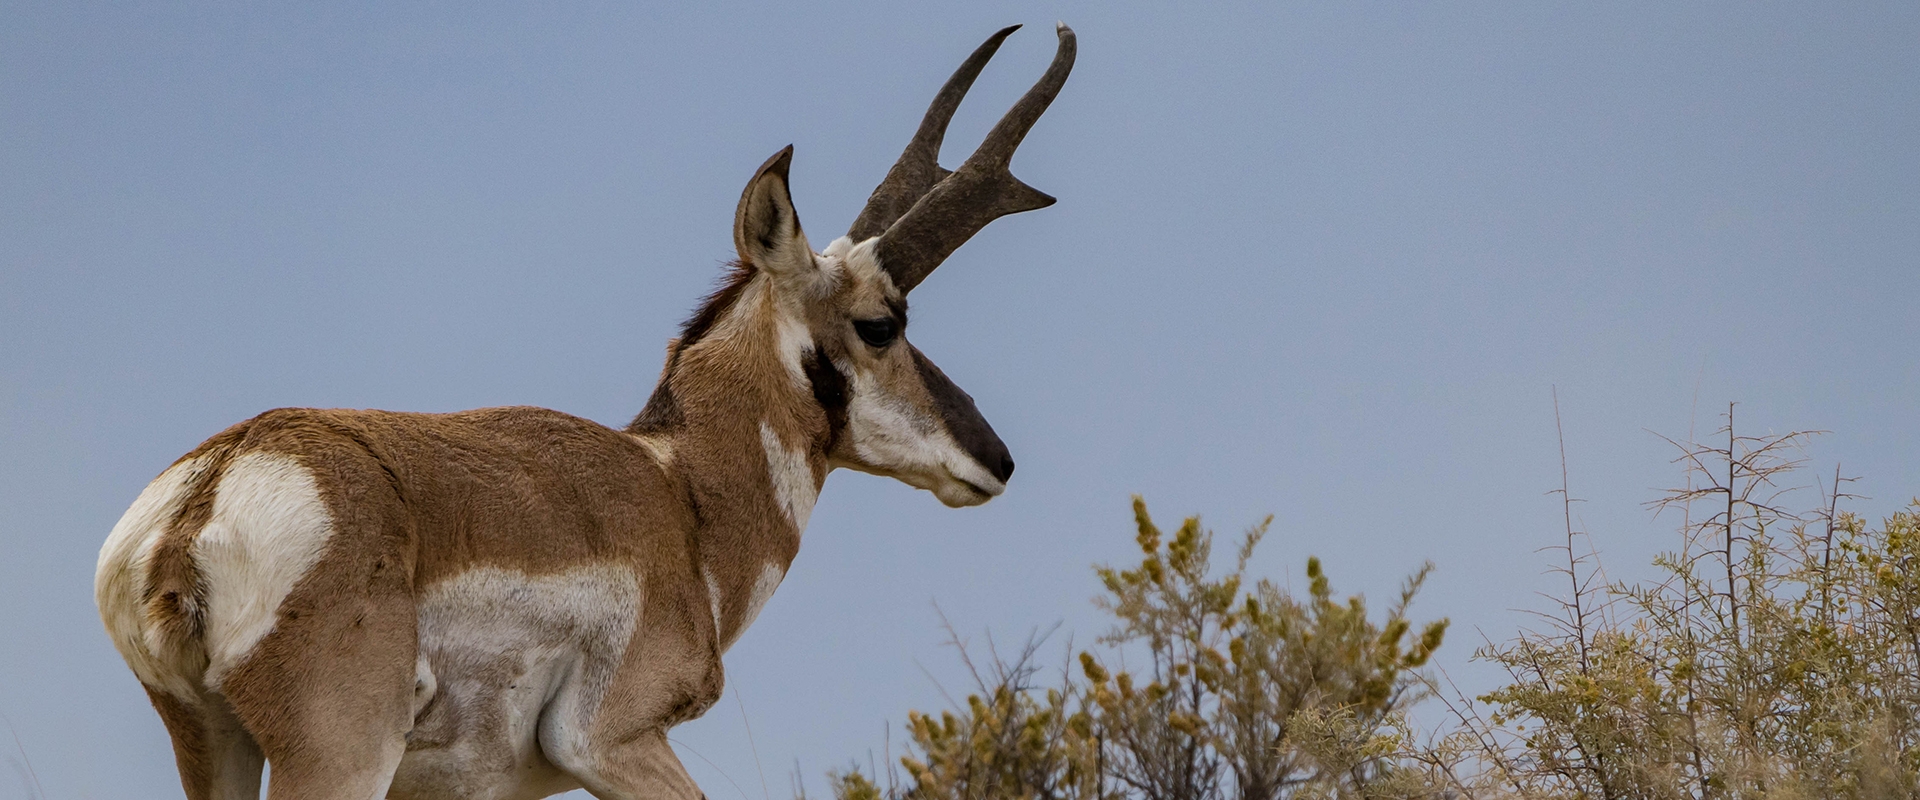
766 229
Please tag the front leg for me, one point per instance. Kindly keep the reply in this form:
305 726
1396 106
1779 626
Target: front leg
640 768
607 727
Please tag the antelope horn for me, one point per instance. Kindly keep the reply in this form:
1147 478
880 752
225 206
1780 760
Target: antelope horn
919 166
961 202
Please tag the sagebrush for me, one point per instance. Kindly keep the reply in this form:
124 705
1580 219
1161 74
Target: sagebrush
1775 655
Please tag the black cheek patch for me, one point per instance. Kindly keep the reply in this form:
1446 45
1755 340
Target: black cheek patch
829 390
963 420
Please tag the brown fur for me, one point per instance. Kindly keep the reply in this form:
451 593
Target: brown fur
418 498
175 596
684 498
207 741
701 500
662 410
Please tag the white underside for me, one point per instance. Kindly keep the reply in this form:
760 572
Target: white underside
517 666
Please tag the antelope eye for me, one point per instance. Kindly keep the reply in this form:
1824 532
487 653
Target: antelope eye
876 332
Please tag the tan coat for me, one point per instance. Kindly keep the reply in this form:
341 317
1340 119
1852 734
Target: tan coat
515 602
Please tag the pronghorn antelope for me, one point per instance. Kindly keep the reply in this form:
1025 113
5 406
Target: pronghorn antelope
515 602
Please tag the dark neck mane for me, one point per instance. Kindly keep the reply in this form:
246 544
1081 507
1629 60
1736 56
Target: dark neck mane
662 411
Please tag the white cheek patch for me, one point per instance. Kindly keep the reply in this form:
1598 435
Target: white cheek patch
891 434
269 527
120 579
895 438
792 478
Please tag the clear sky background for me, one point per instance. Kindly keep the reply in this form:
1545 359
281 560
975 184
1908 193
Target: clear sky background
1325 261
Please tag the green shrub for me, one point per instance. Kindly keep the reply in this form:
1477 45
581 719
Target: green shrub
1233 676
1776 655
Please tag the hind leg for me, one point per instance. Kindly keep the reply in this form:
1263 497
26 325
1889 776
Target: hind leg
218 759
331 702
328 693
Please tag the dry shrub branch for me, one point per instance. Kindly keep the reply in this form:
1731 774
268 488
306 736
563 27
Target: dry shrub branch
1244 691
1776 655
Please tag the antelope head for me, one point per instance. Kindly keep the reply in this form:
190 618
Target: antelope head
889 411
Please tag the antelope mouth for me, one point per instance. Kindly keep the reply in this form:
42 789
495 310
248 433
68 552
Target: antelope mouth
958 492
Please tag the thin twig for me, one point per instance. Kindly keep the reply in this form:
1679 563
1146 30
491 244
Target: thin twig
1573 562
716 767
750 745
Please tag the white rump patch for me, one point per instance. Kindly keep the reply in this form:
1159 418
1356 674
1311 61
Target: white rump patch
120 578
269 527
792 477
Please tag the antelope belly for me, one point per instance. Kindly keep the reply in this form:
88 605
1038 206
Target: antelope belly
504 654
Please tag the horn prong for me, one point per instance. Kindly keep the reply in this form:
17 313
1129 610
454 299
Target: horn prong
918 169
980 191
1012 128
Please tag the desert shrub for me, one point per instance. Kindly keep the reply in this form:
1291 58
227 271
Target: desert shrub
1244 692
1776 655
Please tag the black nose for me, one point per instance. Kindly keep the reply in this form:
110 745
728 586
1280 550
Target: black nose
963 420
989 451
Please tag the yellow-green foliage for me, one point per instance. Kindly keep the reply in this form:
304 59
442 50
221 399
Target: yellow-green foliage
1776 655
1228 673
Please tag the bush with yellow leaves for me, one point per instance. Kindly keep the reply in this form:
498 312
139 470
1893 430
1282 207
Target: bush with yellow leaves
1230 671
1776 655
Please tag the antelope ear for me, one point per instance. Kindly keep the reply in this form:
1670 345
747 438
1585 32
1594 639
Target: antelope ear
766 231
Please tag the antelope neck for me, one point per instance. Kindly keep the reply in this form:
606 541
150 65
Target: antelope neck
747 440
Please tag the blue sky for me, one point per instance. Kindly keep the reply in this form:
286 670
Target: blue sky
1324 261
